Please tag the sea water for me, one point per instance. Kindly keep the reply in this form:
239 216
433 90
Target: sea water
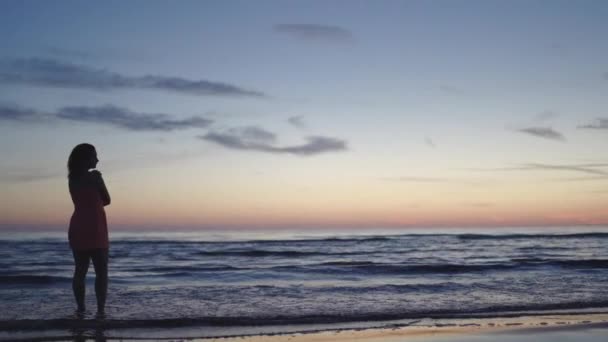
237 278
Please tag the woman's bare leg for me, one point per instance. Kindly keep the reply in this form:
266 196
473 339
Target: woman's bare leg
81 261
100 263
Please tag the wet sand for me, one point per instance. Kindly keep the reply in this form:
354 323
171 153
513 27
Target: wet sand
576 328
579 328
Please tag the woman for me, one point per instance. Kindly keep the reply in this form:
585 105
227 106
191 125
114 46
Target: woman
88 233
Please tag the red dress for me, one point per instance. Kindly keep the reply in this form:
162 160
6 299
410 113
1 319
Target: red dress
88 226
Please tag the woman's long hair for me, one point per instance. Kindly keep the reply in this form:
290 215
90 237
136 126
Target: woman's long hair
80 156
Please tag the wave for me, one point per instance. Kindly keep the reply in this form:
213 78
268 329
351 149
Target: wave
570 308
395 288
369 267
334 267
270 253
265 242
31 279
385 268
194 268
586 263
380 238
537 248
596 235
377 268
427 268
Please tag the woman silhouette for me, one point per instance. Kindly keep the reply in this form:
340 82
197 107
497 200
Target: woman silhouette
88 233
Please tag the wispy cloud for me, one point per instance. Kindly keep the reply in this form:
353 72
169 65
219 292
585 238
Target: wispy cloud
599 123
315 32
543 132
419 179
17 113
425 179
258 139
592 169
583 179
297 121
106 115
124 118
242 138
58 74
584 168
253 135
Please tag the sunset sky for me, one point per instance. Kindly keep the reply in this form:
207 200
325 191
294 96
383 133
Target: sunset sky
280 114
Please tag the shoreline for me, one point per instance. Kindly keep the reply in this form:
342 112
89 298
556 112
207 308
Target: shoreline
389 331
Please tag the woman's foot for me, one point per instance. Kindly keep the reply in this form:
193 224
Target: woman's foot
79 313
100 315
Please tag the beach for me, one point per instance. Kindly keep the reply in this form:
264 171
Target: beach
584 328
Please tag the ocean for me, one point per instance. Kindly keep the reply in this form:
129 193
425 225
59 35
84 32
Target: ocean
244 279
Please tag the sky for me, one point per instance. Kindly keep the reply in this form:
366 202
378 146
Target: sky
316 114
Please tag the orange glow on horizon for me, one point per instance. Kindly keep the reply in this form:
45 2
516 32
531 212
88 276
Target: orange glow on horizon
209 202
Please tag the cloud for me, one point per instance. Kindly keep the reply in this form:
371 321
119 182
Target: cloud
429 142
242 138
594 169
599 123
106 115
54 73
425 179
543 132
584 168
297 121
257 139
315 32
315 145
16 113
124 118
578 179
253 134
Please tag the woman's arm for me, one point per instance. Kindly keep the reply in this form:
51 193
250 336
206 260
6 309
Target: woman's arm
103 191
